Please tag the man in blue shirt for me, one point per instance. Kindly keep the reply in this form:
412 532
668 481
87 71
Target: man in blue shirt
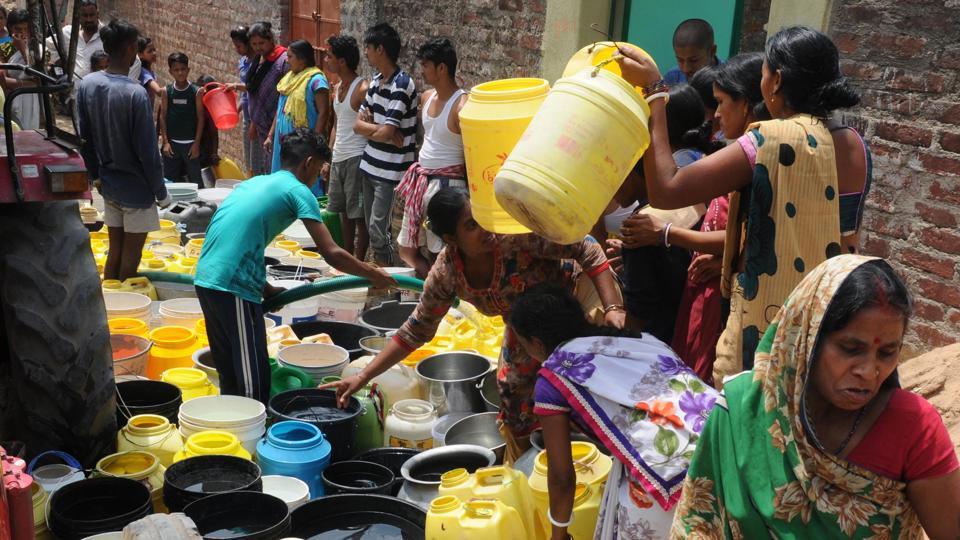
694 48
120 151
231 277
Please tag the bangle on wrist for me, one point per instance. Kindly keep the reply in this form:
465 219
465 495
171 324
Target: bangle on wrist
556 523
655 88
666 235
657 95
613 307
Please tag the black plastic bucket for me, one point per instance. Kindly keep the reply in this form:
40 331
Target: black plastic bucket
245 515
202 476
343 334
388 316
147 397
391 458
359 516
359 477
319 407
97 505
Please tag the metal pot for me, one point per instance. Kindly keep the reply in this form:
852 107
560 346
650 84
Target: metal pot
388 316
421 473
450 381
479 429
490 392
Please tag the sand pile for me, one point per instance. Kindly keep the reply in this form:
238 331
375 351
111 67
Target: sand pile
936 376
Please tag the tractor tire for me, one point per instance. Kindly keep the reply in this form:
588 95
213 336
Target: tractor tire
56 367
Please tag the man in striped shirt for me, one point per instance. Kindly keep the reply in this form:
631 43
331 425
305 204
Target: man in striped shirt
388 119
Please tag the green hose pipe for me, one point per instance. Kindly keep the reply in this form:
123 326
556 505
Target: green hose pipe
168 277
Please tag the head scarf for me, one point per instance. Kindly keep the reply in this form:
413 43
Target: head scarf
757 473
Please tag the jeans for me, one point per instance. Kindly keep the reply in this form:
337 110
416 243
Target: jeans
377 206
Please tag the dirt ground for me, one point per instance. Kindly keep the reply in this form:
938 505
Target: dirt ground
935 376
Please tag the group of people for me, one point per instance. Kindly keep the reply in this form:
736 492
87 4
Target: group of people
740 366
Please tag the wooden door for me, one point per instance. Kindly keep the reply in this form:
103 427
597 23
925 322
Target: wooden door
314 21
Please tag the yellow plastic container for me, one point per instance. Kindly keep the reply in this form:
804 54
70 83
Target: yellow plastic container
193 248
290 245
492 121
150 433
124 325
137 465
173 346
598 54
167 234
142 285
152 265
183 265
571 160
39 496
307 254
112 285
504 484
449 517
100 235
192 382
212 443
227 169
592 468
201 330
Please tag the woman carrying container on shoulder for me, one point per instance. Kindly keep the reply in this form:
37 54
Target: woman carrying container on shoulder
490 271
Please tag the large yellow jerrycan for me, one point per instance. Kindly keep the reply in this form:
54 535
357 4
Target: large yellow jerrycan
141 285
592 469
504 484
492 121
480 519
572 158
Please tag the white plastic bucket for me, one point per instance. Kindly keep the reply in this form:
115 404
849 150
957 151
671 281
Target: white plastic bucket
214 195
244 417
276 253
316 359
346 306
303 311
292 491
127 305
406 295
168 290
181 312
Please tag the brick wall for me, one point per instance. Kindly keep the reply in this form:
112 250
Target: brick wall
753 35
201 29
494 38
905 58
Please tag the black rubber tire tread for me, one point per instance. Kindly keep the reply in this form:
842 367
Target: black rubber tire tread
56 363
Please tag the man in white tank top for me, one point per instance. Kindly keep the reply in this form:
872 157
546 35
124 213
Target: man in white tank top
346 181
441 162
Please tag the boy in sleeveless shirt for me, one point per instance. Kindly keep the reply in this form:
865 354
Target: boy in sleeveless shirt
346 181
441 161
181 123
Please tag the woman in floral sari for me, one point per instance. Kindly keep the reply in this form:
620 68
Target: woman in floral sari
631 394
818 440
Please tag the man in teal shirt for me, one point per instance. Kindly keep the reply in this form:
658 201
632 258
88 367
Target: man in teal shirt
231 277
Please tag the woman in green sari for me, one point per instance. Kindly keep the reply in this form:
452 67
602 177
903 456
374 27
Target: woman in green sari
818 440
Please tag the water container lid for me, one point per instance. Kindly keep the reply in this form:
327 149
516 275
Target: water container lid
295 435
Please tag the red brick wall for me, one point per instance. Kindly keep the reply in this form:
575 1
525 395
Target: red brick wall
904 57
201 29
754 17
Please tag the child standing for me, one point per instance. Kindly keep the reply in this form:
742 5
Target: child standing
147 52
99 61
181 123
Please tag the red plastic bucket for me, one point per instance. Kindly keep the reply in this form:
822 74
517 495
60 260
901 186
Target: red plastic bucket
222 105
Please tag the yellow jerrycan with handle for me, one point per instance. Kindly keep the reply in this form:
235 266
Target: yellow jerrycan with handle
492 121
504 484
573 157
479 519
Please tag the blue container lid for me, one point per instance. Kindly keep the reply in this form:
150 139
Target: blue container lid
294 441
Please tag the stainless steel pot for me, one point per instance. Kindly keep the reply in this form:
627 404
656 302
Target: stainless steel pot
388 316
421 473
490 392
450 381
479 429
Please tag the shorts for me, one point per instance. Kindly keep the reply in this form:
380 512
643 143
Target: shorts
346 186
131 220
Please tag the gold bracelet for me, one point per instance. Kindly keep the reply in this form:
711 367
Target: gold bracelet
613 307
